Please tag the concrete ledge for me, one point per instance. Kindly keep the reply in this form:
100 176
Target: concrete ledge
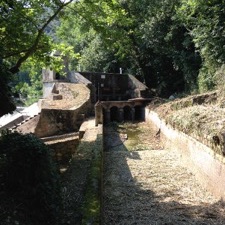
59 138
84 126
208 166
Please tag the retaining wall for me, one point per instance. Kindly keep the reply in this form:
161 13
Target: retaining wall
208 166
64 115
62 146
28 126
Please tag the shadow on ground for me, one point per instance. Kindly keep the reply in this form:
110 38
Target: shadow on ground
148 187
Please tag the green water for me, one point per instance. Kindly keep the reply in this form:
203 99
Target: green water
134 134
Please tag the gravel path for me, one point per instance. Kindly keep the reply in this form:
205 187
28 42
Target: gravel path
151 187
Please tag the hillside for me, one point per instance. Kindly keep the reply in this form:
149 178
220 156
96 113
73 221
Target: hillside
199 116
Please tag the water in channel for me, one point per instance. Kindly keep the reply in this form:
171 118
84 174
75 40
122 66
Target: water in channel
145 184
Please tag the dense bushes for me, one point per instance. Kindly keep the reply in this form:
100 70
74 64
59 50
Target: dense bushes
30 176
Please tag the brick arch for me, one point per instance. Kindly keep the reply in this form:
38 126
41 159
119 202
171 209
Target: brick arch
104 110
120 104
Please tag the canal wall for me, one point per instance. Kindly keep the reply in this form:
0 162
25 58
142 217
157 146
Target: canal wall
62 146
208 167
91 144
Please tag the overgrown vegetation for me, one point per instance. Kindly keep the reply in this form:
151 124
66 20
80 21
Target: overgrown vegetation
23 36
30 187
173 46
91 208
199 116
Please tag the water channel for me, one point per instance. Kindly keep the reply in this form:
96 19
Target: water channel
145 184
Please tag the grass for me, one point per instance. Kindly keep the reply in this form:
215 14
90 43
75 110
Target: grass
200 117
91 208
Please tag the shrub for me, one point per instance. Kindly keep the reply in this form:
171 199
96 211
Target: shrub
30 175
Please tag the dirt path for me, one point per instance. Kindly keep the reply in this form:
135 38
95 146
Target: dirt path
145 184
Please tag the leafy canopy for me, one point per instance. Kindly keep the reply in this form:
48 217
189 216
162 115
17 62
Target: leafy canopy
22 35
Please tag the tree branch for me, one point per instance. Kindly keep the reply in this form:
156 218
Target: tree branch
33 48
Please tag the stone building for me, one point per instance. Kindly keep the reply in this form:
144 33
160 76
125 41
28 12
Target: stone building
67 101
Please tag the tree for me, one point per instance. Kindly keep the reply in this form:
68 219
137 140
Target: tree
29 83
22 35
205 22
88 26
140 36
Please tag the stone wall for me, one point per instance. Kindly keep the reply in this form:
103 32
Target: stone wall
62 147
56 121
66 114
208 167
77 78
28 126
115 87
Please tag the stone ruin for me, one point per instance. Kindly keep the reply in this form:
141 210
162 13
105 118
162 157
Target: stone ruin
67 101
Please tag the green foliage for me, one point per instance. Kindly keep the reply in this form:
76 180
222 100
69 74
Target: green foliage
206 78
96 58
144 38
172 45
169 58
29 82
22 33
30 176
91 208
175 45
6 101
220 78
91 51
20 22
205 21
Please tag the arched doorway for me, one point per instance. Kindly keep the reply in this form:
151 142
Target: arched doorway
114 114
127 113
139 113
106 115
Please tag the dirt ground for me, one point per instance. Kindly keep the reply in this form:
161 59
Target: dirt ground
145 184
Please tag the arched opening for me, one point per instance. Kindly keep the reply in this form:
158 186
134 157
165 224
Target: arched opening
114 114
139 113
105 118
127 113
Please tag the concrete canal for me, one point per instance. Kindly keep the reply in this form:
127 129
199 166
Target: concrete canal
145 184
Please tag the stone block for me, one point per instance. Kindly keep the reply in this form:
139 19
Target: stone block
56 97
